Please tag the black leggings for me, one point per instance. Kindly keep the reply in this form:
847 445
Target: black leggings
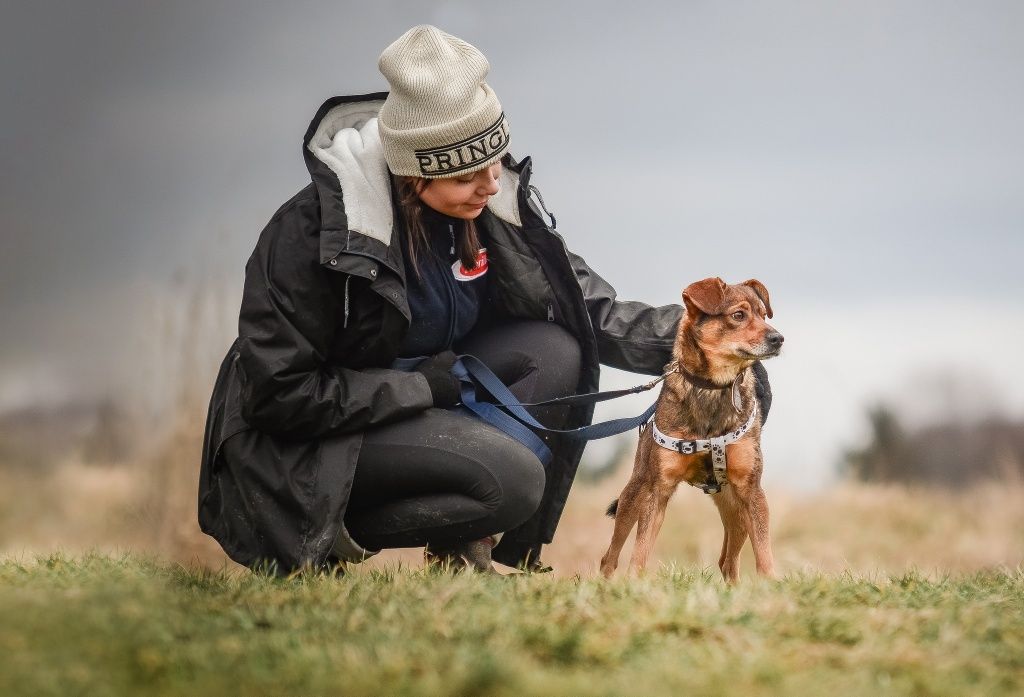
444 476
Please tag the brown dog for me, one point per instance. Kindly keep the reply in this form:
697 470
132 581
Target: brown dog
705 429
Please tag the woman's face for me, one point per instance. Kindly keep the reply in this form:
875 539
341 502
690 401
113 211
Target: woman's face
463 196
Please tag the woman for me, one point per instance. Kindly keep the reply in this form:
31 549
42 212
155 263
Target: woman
418 236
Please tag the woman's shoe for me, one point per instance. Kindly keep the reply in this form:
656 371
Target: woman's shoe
443 559
472 555
478 554
536 566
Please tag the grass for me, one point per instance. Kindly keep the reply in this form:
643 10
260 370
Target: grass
113 625
887 590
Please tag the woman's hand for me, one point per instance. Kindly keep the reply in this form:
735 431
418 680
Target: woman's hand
444 386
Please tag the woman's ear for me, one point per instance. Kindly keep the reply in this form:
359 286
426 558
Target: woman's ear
705 296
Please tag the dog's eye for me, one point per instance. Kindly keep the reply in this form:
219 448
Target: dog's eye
738 315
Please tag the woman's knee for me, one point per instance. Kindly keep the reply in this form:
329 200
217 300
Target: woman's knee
556 352
521 478
557 340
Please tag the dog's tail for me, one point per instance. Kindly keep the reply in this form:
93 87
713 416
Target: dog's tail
613 508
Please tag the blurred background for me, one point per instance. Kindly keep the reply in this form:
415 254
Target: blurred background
864 160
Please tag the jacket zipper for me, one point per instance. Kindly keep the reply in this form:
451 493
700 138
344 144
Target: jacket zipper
565 252
348 278
572 272
449 280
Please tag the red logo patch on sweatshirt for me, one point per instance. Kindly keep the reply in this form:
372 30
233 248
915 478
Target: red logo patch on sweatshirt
461 273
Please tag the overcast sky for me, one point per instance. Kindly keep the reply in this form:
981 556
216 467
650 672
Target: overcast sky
863 159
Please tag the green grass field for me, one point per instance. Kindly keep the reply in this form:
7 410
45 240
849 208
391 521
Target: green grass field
103 625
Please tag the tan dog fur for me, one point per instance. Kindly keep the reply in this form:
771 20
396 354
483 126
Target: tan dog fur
722 333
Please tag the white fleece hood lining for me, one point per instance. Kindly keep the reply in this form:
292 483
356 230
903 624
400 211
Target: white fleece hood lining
348 142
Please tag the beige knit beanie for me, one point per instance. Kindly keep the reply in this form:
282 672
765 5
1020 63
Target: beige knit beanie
440 118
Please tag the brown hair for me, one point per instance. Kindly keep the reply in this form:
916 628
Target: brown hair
467 241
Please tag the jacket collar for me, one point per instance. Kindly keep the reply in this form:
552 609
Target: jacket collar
334 150
345 159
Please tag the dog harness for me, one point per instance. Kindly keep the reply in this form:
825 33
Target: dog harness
716 445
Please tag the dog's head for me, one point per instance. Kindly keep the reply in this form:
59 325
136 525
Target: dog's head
727 323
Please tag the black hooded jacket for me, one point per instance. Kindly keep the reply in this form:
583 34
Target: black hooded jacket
325 312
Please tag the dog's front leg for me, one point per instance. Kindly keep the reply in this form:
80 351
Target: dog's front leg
744 472
755 514
627 511
652 515
735 533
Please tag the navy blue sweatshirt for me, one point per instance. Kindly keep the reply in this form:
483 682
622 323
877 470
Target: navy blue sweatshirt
445 300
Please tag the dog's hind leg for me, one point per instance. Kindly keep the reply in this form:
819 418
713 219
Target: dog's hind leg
626 513
735 530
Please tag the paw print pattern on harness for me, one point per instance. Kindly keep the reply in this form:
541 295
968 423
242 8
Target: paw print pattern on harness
716 445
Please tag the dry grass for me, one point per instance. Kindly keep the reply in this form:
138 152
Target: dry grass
865 529
853 527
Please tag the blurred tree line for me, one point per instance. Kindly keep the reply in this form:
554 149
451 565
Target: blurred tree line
949 452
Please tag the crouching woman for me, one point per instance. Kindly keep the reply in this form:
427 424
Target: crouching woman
418 236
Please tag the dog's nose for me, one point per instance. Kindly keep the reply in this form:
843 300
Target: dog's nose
775 339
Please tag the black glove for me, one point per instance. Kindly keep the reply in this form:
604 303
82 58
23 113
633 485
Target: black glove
444 387
763 390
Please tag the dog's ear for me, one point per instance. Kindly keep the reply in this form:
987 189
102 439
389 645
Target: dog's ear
762 293
705 296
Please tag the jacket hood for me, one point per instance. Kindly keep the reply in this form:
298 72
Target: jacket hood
345 158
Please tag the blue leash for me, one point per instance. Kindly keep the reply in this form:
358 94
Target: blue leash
516 423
